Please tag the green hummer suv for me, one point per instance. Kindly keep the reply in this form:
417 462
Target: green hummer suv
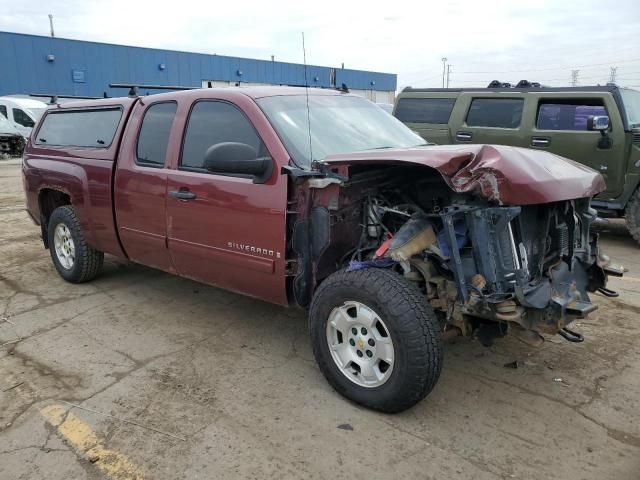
596 126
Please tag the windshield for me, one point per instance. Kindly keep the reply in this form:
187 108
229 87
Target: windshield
631 101
339 124
37 112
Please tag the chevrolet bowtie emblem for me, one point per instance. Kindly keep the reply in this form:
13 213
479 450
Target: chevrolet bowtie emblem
360 343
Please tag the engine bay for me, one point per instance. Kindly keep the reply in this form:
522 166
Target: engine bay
529 268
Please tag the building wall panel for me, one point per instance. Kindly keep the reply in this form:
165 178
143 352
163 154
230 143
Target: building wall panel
24 68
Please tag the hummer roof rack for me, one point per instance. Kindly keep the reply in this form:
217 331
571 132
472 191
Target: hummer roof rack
503 88
520 84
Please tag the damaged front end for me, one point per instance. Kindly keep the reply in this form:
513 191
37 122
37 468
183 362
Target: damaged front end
456 231
530 266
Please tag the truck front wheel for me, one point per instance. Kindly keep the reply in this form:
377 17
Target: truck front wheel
375 338
73 258
632 215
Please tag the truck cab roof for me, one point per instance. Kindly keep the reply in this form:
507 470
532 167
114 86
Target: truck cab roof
200 93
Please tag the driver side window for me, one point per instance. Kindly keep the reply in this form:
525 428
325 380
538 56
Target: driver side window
213 122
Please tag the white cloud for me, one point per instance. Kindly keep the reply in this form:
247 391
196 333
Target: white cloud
409 38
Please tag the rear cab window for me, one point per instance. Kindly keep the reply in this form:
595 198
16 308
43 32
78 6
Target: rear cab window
154 134
82 128
495 112
424 110
568 114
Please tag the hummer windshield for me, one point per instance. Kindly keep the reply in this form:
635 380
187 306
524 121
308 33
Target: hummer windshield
631 101
339 124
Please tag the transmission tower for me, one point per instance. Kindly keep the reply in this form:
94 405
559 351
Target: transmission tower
612 74
574 77
444 70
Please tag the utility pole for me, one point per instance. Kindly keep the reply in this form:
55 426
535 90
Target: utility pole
612 74
51 25
444 69
448 74
574 77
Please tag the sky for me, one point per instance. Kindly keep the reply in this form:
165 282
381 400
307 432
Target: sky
541 40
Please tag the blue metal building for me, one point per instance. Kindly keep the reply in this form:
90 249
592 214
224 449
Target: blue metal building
39 64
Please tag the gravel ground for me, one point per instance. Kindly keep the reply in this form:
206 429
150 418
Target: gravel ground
173 379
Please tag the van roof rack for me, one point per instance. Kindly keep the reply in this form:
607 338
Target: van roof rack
53 98
133 87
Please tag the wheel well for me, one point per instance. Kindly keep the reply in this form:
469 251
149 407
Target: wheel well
48 200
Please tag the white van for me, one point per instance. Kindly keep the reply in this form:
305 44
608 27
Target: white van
23 112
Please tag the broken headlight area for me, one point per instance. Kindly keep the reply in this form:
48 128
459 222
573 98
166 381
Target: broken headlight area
12 145
530 267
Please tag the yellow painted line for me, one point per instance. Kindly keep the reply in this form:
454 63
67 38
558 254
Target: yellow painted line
114 464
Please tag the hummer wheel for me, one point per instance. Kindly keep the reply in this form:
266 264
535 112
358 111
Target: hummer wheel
632 215
375 338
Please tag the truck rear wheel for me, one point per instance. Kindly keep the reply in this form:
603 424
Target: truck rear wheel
632 215
73 258
375 338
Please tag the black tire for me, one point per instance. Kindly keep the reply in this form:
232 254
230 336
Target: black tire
632 216
88 261
412 326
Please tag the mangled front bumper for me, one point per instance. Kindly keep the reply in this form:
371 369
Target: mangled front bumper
533 265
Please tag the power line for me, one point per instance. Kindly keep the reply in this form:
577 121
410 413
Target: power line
536 69
597 76
603 77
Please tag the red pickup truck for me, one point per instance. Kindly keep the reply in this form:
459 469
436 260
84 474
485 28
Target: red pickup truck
322 200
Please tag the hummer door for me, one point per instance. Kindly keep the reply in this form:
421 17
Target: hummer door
561 128
492 118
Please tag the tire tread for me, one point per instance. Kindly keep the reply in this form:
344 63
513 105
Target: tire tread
632 216
90 259
414 319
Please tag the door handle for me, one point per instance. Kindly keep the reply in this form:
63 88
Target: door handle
539 142
464 136
182 194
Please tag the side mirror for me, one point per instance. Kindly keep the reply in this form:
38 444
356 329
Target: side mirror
598 123
238 159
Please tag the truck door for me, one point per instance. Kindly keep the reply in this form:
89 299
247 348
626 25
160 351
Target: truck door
428 117
561 128
489 117
224 229
141 184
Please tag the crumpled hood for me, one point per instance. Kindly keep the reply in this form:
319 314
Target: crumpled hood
508 175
